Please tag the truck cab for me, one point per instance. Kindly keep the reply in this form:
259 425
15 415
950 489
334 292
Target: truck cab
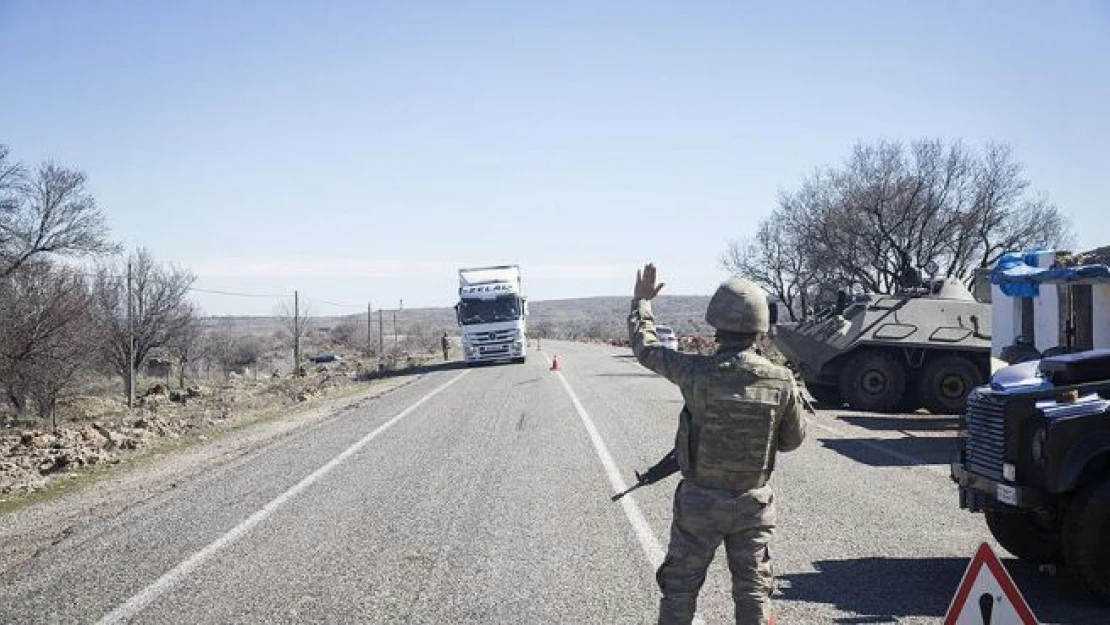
491 313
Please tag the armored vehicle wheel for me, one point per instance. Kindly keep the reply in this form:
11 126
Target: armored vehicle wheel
945 383
1020 534
873 381
826 395
1087 538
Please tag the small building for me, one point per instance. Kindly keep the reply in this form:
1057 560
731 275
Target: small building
1050 303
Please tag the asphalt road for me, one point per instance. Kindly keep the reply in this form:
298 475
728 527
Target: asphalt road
482 496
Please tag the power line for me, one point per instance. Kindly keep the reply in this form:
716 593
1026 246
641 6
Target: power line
233 294
327 303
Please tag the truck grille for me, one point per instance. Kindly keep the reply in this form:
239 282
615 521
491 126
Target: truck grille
986 435
497 336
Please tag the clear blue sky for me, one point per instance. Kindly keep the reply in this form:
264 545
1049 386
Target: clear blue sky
362 150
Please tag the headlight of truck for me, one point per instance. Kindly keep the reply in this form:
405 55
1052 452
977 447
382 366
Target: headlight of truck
1040 437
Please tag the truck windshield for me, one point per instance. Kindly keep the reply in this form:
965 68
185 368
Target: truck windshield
489 311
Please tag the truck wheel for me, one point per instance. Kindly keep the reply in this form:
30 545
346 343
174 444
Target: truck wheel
945 383
873 381
1020 534
1086 539
826 394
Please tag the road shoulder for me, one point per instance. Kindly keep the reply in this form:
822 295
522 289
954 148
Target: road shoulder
27 531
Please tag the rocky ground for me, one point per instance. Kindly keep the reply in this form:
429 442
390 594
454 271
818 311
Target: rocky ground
100 431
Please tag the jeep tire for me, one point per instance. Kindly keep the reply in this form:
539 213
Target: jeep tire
1020 534
1086 541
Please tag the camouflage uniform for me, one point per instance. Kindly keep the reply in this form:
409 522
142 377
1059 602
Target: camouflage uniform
740 409
446 343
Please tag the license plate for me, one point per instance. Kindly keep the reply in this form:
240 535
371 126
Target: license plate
1007 494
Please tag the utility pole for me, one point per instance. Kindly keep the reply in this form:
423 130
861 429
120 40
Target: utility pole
381 333
130 340
296 332
369 326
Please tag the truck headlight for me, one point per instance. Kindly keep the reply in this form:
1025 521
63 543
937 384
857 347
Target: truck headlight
1009 472
1040 437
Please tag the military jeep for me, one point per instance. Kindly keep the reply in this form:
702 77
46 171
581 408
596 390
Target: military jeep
1034 457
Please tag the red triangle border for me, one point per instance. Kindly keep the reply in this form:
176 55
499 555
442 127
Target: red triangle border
985 556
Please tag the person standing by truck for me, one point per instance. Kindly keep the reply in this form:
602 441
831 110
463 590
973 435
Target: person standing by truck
740 409
446 343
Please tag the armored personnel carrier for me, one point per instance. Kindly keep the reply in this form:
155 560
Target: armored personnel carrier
927 345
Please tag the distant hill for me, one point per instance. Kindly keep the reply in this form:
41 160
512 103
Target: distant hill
587 317
606 317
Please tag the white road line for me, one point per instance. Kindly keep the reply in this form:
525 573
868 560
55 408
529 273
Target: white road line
912 461
651 546
146 596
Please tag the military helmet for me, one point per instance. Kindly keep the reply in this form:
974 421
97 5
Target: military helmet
739 306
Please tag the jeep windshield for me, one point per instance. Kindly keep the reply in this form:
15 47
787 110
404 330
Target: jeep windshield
489 311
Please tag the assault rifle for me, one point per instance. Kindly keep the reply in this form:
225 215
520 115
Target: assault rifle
664 468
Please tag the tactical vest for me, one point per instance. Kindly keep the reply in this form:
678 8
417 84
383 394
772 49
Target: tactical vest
728 428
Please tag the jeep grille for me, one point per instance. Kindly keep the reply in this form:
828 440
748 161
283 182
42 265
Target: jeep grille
986 438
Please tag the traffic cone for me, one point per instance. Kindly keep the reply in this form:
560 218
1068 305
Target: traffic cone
555 362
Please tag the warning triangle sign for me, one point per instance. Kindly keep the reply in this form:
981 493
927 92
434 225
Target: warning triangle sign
987 595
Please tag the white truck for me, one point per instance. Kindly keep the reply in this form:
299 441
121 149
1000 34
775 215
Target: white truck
491 313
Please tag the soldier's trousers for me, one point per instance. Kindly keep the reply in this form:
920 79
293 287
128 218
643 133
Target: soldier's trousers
703 519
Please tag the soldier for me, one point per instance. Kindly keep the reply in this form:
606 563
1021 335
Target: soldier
740 409
446 343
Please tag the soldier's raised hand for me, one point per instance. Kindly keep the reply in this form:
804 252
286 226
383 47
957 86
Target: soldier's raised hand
645 283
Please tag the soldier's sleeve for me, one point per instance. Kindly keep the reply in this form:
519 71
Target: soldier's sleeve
675 366
792 428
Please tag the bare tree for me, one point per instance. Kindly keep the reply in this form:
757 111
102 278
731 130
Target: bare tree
161 312
420 337
774 258
542 329
187 344
297 323
219 343
44 334
246 351
47 211
349 332
892 207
